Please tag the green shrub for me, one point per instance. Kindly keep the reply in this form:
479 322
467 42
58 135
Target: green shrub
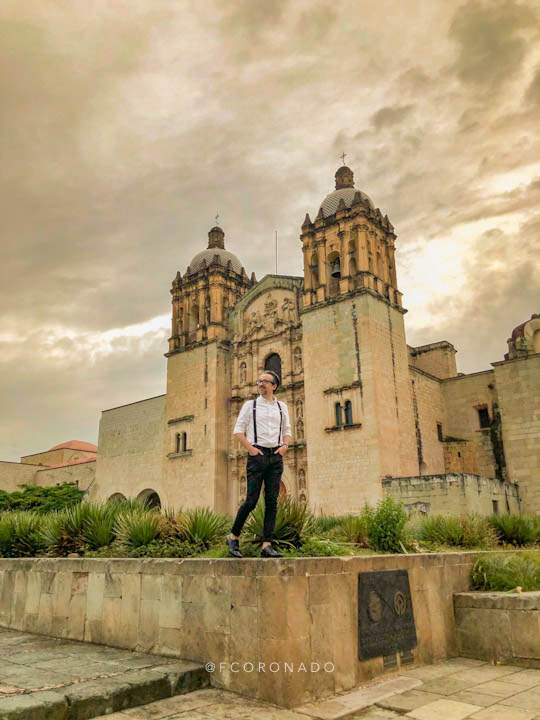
98 527
516 529
322 524
42 500
318 547
355 529
294 523
20 534
465 531
137 527
168 549
203 526
385 526
62 532
506 572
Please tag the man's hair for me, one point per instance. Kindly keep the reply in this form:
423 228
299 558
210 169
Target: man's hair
275 376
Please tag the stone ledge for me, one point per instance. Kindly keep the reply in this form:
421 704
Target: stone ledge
498 600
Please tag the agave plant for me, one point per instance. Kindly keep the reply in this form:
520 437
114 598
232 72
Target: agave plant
137 527
19 534
516 530
294 524
202 526
98 525
61 532
354 529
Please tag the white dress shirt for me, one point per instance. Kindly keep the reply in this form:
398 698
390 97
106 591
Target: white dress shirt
267 422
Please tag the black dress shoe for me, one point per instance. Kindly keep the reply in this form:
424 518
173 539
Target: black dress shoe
234 548
269 551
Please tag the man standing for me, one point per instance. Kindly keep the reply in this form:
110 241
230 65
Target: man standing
266 421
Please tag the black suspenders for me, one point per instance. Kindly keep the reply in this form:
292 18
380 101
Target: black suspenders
255 421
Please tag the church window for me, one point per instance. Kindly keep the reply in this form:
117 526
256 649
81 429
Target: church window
184 442
483 417
178 443
314 268
339 416
348 413
439 432
273 362
352 266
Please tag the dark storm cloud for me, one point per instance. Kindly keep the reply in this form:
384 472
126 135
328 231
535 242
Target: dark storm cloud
388 116
492 39
126 126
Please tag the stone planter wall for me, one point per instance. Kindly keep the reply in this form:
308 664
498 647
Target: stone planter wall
224 611
501 627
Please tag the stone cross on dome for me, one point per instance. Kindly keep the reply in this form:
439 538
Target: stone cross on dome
343 156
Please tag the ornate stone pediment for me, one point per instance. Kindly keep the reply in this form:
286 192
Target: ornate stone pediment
269 314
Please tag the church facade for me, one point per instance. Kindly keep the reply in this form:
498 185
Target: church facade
370 415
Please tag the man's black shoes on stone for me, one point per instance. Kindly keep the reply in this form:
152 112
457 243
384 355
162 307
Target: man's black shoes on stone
269 552
234 548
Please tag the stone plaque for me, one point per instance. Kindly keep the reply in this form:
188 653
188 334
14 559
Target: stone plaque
385 613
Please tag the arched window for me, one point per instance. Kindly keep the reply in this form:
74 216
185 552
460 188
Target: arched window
178 445
314 267
150 497
194 317
184 442
352 267
273 362
348 413
117 497
339 416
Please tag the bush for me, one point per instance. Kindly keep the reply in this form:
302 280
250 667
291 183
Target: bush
98 527
506 572
516 530
467 531
294 524
167 549
203 527
137 527
318 547
20 534
354 529
385 526
42 500
322 524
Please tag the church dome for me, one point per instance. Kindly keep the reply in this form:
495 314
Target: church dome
224 256
216 246
344 191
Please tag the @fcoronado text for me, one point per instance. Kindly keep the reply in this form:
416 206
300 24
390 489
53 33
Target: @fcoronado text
274 667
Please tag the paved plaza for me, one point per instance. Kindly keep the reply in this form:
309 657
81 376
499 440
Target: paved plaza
39 674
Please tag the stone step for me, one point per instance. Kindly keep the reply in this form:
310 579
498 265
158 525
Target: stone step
350 704
105 695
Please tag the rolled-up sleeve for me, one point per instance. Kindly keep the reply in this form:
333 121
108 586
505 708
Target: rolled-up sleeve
286 421
242 421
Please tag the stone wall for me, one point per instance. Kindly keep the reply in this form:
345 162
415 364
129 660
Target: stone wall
500 627
82 475
464 396
13 475
355 348
437 359
297 610
130 450
454 493
429 412
518 385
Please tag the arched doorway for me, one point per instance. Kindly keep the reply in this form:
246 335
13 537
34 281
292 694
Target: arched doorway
150 497
117 497
273 362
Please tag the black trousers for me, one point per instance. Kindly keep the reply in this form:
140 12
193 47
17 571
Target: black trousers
267 468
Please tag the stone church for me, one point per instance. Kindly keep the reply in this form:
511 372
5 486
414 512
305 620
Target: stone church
370 415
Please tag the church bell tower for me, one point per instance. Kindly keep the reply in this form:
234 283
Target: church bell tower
359 414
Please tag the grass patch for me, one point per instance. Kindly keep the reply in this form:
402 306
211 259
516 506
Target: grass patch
507 572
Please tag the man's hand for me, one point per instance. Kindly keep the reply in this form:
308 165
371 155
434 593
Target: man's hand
282 449
255 451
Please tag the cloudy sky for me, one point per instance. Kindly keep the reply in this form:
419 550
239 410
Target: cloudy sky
126 126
